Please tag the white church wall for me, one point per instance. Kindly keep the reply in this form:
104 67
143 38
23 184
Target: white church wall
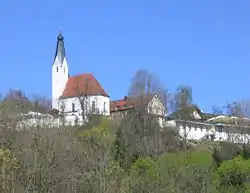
72 108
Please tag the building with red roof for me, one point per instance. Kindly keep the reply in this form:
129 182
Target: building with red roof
153 104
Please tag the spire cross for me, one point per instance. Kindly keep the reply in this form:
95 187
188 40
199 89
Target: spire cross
60 30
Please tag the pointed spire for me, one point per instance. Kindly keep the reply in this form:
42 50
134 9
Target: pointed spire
60 49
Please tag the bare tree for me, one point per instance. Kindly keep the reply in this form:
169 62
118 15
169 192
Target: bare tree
17 102
62 114
145 84
139 133
13 105
83 96
182 106
238 121
41 104
88 104
183 97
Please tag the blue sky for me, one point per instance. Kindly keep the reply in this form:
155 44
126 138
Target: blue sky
205 44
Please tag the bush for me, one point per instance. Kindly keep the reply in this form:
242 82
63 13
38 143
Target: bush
234 172
172 172
225 151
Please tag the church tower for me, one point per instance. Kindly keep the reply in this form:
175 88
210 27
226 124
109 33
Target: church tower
60 72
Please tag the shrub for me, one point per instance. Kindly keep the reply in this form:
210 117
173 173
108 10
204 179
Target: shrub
225 151
233 172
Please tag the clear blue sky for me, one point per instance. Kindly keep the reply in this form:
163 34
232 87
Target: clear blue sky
205 44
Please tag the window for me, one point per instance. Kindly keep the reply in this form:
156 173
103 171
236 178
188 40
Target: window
62 107
73 107
93 106
203 129
56 69
64 70
150 109
159 110
219 129
104 106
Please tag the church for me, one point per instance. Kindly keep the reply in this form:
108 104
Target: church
76 96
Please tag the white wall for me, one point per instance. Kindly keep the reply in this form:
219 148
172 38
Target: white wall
193 132
198 131
102 107
33 119
226 135
156 107
60 73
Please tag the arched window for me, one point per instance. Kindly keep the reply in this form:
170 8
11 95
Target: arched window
56 69
93 106
73 107
104 107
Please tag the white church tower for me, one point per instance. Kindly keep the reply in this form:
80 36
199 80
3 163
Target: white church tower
60 72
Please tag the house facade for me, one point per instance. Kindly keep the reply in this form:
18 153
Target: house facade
153 104
75 96
203 126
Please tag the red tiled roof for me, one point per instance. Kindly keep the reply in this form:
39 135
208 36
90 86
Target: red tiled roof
122 104
126 103
83 84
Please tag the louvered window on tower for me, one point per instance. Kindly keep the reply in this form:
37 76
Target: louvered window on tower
56 69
